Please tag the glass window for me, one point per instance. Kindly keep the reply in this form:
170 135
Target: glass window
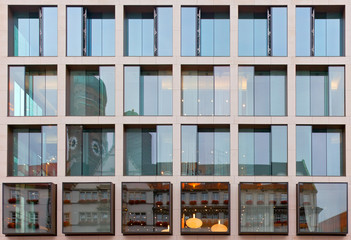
205 91
152 214
148 31
90 151
205 31
91 31
149 151
32 151
325 26
205 150
90 208
320 151
320 212
32 212
91 91
263 151
148 90
32 31
209 216
320 91
32 91
262 91
262 31
263 208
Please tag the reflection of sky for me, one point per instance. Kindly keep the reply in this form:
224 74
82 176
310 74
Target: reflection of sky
332 199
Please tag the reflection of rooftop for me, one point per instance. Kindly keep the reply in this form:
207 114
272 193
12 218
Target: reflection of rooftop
336 223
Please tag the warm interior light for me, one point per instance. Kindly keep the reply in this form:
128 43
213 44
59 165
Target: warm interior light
219 227
334 84
166 230
193 222
244 84
194 184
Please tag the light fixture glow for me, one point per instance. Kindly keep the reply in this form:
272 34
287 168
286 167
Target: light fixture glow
193 222
219 227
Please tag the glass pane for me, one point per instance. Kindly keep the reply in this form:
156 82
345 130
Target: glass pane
246 151
164 31
21 34
303 93
319 94
188 33
206 91
108 34
92 93
221 152
16 91
74 151
20 165
303 31
148 91
74 31
51 93
205 216
148 208
246 34
93 215
335 158
262 93
336 91
49 155
260 210
165 93
35 157
94 34
246 90
33 34
147 34
164 150
260 34
262 143
189 150
207 34
205 152
107 91
131 90
222 92
189 93
221 34
303 150
92 152
77 93
49 31
279 30
335 34
279 150
108 152
333 218
133 155
35 97
133 34
320 36
278 93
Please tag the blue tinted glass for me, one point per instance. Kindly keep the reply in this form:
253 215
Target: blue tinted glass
189 93
164 31
207 34
262 97
26 34
319 154
74 31
148 34
320 36
303 150
133 34
49 31
131 90
336 90
148 89
278 93
221 34
108 34
246 90
319 94
94 34
279 31
303 31
260 34
188 21
335 38
303 95
33 34
246 152
279 140
262 152
189 150
246 34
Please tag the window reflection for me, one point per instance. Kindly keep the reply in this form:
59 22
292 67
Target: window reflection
88 208
146 208
32 91
319 211
90 151
29 209
263 208
205 216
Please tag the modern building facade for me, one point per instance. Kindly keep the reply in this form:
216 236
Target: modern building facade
124 119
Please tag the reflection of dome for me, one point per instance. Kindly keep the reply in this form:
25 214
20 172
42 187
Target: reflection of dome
73 142
95 147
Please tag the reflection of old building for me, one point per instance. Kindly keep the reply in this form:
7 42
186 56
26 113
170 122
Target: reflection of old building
264 207
208 202
87 208
146 208
29 209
